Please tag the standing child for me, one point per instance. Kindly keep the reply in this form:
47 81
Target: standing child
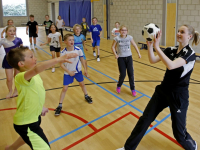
79 41
60 23
72 70
115 31
54 38
124 57
32 27
84 27
9 43
173 91
9 23
47 24
95 34
31 97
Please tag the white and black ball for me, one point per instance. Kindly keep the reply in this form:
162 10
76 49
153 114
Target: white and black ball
149 30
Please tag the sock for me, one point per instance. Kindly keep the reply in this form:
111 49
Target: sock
86 95
97 56
60 105
34 44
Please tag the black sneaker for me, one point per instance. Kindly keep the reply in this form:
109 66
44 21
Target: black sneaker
88 99
58 110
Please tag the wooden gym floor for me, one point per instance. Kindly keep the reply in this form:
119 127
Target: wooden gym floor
105 124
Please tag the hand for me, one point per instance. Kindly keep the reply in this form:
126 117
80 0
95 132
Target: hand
44 111
91 40
36 32
2 36
157 39
99 35
86 49
41 44
86 73
116 56
71 73
139 55
149 44
66 57
27 33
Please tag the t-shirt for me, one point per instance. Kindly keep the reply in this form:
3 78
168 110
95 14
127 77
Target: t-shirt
60 23
30 100
84 26
124 45
8 45
115 31
78 41
48 24
76 64
178 79
55 42
32 26
95 29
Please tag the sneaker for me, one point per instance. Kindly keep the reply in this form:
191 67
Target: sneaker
98 59
118 89
53 70
94 53
196 145
58 110
88 99
134 93
121 148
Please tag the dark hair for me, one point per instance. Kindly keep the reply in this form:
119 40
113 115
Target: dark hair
16 55
31 15
59 16
67 35
95 18
51 26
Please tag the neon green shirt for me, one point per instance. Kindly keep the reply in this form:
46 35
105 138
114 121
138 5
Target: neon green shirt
30 101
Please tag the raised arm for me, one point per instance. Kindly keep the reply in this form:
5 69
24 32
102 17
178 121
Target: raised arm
136 48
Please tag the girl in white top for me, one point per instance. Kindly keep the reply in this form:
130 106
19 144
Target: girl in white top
54 38
9 23
60 23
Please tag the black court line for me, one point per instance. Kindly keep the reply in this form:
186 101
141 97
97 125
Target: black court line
104 83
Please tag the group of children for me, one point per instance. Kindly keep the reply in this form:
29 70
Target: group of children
28 83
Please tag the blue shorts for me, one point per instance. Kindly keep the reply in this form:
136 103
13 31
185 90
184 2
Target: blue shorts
67 79
96 43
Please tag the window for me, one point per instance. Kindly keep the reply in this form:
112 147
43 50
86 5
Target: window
14 7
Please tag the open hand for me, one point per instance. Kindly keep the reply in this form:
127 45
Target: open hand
66 57
157 39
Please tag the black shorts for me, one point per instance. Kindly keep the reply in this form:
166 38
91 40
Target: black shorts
47 31
54 49
33 34
33 135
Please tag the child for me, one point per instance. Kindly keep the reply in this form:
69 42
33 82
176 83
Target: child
115 31
9 43
124 57
95 34
60 23
84 27
32 26
72 70
9 23
54 38
79 42
31 97
47 24
173 90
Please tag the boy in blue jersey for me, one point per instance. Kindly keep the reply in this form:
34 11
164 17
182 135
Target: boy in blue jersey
79 41
95 34
72 70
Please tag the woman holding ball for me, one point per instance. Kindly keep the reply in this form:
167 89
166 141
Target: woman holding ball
173 90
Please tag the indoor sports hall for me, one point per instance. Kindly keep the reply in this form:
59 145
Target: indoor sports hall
109 120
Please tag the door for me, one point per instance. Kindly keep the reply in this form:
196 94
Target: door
53 12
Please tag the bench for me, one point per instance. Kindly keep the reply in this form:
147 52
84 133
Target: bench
144 46
197 55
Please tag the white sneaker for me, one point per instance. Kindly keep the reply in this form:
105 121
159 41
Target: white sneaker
94 53
120 148
98 59
196 145
53 70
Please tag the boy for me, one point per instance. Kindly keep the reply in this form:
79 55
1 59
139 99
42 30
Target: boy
79 42
72 70
115 31
47 24
84 27
31 97
95 34
32 27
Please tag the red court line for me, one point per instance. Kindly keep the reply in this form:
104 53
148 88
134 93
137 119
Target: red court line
111 123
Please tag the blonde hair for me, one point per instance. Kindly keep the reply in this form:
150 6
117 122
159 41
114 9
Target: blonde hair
123 26
77 25
195 34
67 35
9 20
8 28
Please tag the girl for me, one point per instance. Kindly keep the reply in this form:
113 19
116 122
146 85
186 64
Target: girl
54 38
124 57
9 43
9 23
60 23
173 90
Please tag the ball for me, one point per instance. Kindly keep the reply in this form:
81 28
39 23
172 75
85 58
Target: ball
149 30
